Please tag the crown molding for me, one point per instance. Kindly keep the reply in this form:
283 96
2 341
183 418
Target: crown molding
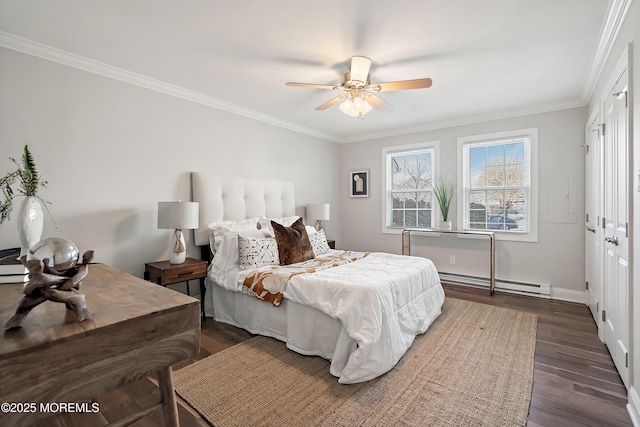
616 15
469 120
50 53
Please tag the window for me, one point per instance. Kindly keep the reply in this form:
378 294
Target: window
409 171
499 192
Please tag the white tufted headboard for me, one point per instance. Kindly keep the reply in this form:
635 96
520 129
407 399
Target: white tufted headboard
226 197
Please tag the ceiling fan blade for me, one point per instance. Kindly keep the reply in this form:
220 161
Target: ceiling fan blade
332 102
360 68
402 85
379 103
311 85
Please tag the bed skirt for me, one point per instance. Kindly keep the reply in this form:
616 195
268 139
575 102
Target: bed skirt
305 330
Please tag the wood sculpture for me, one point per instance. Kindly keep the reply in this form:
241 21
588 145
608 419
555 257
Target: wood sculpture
46 283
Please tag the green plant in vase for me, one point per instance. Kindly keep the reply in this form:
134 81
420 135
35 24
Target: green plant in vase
444 191
30 219
30 183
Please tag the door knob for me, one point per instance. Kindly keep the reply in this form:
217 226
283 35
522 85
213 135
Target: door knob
612 239
591 229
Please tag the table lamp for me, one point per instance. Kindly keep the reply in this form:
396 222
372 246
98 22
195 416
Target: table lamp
177 216
318 211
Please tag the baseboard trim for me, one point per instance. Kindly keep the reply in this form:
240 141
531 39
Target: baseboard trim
569 295
633 407
540 290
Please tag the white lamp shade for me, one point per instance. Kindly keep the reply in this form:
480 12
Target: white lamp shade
178 215
319 211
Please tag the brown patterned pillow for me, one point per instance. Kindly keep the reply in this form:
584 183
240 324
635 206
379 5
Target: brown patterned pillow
293 242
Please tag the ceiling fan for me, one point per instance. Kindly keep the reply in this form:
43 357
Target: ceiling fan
359 93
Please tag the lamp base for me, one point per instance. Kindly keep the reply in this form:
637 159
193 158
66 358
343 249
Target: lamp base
318 225
177 251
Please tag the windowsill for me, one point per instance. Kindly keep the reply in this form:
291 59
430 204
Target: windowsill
392 230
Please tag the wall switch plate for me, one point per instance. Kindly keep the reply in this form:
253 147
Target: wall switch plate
452 259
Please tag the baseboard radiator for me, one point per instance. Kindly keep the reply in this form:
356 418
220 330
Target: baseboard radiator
542 290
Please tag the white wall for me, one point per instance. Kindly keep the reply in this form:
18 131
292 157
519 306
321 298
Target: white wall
557 258
629 37
111 150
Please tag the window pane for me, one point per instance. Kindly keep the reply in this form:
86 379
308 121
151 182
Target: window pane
478 196
497 179
495 200
397 219
514 199
495 175
424 218
478 218
477 166
397 202
477 209
411 171
424 200
409 176
495 154
514 164
410 218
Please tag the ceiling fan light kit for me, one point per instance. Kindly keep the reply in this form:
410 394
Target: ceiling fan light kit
359 97
356 107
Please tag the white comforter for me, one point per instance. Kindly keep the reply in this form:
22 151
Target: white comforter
383 301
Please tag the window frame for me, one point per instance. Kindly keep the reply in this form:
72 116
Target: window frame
387 202
532 134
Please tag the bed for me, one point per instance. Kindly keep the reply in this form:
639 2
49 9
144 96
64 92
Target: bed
359 310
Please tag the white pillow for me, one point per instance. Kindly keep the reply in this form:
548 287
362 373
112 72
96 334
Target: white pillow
265 223
226 259
220 228
257 252
319 243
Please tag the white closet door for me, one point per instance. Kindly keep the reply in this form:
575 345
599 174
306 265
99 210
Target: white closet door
593 229
616 231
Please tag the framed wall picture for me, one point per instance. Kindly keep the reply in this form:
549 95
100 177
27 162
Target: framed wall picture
359 183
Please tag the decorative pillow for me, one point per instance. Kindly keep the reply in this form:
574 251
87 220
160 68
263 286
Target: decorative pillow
293 242
319 243
254 252
226 256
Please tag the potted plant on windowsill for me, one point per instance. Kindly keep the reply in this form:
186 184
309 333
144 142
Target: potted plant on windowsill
30 216
444 191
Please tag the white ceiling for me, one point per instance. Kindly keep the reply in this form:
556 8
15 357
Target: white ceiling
487 58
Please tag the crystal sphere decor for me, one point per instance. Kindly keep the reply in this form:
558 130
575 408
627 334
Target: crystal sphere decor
62 254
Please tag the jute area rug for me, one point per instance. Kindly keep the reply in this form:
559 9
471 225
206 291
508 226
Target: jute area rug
473 367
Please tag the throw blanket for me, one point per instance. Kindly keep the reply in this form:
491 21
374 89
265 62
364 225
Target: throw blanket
269 282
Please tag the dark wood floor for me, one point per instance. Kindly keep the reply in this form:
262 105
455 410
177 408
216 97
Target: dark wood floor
575 382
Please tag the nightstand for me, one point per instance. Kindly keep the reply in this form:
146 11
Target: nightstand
332 244
164 273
